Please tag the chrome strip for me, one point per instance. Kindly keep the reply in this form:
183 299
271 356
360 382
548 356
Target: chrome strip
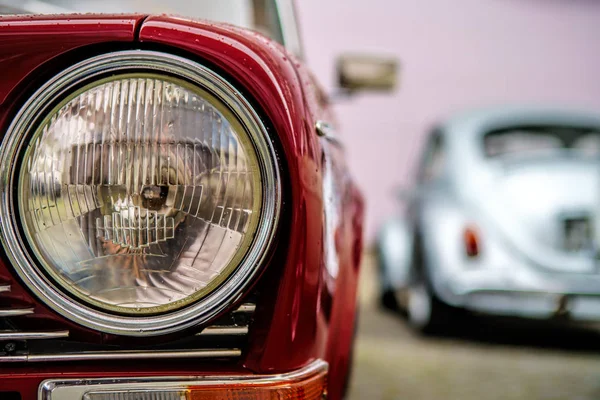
217 330
77 388
122 355
138 355
28 266
4 288
14 312
246 308
13 358
4 335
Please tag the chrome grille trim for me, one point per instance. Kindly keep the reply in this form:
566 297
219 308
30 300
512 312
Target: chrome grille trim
229 329
246 308
16 335
14 312
218 330
123 355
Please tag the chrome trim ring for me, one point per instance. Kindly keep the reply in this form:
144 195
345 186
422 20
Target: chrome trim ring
55 389
27 266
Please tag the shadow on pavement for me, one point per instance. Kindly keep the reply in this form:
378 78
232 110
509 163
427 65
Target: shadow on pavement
563 335
547 334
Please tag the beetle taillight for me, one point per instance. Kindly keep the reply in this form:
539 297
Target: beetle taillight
472 241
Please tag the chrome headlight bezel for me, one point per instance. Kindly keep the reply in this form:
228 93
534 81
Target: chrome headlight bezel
36 109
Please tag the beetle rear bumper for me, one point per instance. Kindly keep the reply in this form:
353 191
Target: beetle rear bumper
523 292
537 305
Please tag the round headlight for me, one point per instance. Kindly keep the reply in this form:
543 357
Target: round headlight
145 186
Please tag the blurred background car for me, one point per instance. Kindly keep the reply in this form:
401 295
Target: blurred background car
500 220
455 56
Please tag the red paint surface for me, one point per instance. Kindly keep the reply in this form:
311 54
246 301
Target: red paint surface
26 42
302 314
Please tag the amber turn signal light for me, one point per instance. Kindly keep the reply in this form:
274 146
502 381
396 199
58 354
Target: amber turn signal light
312 388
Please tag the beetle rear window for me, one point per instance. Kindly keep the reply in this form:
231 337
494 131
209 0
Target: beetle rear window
541 141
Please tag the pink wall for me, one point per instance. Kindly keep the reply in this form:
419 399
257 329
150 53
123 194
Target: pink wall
455 55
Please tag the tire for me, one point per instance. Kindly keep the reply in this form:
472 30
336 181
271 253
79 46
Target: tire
388 301
425 312
387 297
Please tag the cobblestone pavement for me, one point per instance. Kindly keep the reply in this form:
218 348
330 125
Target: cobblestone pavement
486 359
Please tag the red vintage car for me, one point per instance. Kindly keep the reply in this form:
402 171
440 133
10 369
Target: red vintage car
177 221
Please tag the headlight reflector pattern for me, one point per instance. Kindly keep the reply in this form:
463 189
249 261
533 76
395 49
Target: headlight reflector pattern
138 192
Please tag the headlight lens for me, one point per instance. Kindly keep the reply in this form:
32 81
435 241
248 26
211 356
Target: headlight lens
139 193
152 192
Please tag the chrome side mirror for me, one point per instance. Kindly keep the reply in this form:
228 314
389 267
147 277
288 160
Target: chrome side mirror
366 73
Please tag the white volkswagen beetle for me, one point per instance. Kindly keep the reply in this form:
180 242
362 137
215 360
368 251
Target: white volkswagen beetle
501 220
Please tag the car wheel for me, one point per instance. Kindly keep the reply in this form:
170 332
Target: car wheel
425 312
388 300
387 297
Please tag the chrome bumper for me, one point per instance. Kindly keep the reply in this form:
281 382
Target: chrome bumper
310 379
